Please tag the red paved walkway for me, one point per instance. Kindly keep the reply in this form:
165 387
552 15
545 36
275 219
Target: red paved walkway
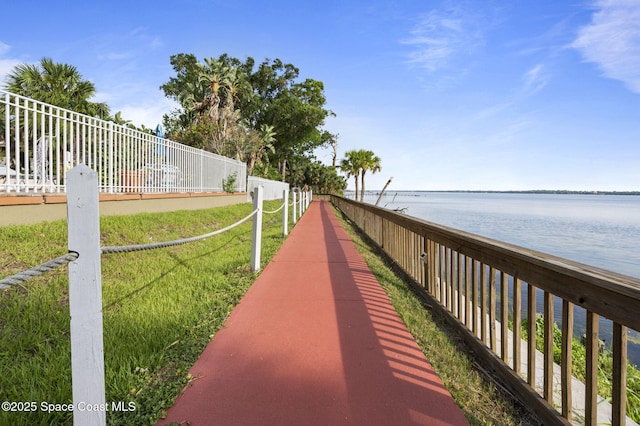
315 341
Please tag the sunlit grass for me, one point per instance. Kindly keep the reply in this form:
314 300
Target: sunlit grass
160 307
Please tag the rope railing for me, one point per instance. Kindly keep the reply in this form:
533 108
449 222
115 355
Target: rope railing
53 264
37 271
152 246
276 210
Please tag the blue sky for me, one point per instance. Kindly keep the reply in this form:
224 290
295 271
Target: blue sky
464 95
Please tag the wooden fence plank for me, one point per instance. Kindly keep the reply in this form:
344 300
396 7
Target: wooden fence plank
548 346
504 316
517 323
483 303
619 374
591 383
468 293
531 333
460 280
566 364
492 310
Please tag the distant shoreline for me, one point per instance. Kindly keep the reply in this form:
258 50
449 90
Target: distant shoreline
533 191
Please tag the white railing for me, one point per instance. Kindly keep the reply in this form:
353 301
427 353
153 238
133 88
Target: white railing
40 143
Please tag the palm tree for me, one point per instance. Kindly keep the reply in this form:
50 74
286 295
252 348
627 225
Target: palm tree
121 121
351 165
57 84
213 100
369 161
260 143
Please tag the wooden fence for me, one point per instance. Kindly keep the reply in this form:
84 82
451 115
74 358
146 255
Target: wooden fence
469 276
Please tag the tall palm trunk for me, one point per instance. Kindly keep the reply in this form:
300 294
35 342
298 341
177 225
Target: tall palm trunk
284 169
362 189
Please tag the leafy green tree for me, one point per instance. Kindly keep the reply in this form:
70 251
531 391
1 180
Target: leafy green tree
297 114
325 179
186 89
208 93
57 84
255 98
294 109
308 173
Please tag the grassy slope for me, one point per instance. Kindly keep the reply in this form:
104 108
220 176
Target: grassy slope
161 307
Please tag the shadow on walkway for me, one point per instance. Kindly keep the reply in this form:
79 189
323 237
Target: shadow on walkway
315 341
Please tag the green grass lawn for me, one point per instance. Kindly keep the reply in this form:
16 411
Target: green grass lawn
160 308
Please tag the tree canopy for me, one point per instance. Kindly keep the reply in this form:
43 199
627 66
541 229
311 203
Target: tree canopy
259 113
57 84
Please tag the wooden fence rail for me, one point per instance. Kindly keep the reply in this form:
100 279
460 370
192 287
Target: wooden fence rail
483 285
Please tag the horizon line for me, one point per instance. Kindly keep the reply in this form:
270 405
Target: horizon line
514 191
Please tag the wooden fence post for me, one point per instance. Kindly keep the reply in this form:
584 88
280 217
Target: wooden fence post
285 212
256 239
85 297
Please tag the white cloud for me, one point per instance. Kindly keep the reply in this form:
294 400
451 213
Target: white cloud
4 48
440 36
612 41
534 79
6 64
148 111
115 56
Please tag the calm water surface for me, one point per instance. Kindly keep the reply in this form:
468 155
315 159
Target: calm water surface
599 230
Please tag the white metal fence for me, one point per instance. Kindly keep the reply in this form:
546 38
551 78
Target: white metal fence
40 143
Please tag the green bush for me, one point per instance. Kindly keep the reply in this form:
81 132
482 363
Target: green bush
229 184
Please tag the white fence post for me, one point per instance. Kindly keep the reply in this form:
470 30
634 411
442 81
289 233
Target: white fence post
285 212
294 213
85 297
256 239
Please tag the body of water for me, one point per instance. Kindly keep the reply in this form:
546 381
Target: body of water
598 230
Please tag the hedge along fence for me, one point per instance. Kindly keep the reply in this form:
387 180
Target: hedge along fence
85 287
